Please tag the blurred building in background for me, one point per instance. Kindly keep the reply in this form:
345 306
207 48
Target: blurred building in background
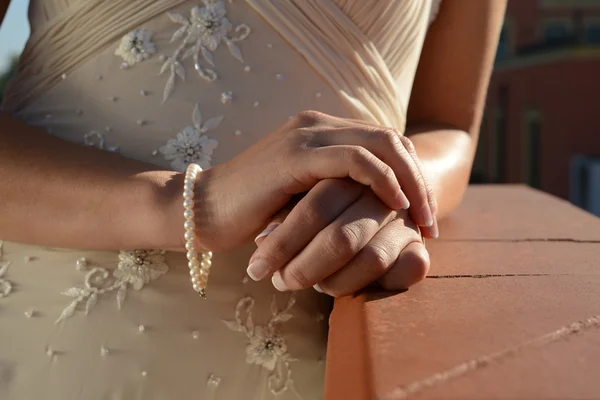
542 120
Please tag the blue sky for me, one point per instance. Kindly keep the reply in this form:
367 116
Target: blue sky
14 31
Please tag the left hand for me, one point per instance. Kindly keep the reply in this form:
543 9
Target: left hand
340 238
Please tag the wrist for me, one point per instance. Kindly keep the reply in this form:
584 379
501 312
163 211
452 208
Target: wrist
162 212
168 226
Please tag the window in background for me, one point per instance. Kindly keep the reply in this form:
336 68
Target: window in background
555 32
556 29
533 142
502 51
592 31
506 41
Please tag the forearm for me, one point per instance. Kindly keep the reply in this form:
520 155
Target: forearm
446 156
56 193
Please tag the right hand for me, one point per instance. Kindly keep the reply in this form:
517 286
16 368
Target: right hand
236 199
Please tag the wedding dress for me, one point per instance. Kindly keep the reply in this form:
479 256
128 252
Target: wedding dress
170 82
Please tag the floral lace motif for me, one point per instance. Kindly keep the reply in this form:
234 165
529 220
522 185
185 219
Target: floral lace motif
135 47
191 145
136 268
5 286
201 33
266 345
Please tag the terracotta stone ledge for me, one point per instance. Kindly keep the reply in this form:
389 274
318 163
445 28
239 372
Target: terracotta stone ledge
512 310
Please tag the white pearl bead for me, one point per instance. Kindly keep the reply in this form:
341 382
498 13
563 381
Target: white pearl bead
190 246
189 225
188 204
188 214
188 186
207 255
191 255
196 335
144 373
247 68
188 194
194 264
189 235
206 263
103 351
141 328
195 279
197 287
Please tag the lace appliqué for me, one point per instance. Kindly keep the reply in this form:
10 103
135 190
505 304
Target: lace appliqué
136 268
191 145
201 34
266 345
135 47
5 286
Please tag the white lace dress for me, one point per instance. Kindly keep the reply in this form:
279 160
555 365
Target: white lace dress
172 82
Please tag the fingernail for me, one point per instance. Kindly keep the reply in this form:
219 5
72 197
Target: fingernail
318 288
270 228
426 215
278 282
258 270
404 203
435 231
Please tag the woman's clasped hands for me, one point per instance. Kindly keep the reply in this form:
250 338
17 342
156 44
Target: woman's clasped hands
336 204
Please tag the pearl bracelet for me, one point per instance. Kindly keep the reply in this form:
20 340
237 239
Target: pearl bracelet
199 271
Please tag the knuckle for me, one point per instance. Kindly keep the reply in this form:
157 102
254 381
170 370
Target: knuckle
390 137
379 258
408 144
388 172
346 237
308 117
341 242
298 278
356 155
412 269
417 265
277 250
314 213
